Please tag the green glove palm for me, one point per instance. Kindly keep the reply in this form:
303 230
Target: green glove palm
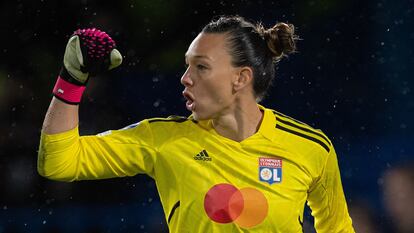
88 53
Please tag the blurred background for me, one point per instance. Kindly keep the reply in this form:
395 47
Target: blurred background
352 78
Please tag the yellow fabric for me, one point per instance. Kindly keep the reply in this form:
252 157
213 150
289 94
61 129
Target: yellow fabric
170 150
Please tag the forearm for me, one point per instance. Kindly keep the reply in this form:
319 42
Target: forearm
60 117
62 155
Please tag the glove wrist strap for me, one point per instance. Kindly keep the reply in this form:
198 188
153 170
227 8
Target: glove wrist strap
68 92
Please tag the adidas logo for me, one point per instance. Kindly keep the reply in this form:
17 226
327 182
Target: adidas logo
203 156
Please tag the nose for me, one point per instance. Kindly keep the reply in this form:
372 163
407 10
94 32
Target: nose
186 79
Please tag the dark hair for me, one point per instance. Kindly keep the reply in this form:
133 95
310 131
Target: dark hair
254 46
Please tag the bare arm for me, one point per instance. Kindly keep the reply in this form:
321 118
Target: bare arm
60 117
63 154
70 85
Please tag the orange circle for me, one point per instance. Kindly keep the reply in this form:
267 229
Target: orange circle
255 207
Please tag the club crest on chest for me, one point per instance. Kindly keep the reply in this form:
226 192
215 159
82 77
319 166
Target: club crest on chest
270 170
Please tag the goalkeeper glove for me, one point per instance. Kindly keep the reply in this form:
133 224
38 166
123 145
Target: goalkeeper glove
88 52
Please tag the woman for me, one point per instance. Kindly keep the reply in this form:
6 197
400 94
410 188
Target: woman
233 165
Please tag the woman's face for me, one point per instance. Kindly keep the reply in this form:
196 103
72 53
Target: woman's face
209 77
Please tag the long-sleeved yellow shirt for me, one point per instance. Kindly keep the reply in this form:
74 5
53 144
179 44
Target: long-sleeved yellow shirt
209 183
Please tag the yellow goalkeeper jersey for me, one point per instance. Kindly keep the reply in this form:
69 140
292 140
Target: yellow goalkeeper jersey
209 183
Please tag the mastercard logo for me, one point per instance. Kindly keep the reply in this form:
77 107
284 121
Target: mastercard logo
246 207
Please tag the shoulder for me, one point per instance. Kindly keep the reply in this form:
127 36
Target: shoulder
297 130
158 130
165 124
171 119
172 124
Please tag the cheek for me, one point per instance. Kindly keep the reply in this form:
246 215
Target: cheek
219 86
217 92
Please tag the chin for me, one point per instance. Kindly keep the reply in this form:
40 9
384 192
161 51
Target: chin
196 116
200 117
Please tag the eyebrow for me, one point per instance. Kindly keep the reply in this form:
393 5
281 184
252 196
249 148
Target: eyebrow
198 57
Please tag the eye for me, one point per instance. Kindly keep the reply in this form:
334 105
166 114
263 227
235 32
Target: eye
201 67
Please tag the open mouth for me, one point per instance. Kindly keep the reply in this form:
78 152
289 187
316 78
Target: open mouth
190 105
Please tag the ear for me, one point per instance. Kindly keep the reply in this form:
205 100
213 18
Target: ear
243 78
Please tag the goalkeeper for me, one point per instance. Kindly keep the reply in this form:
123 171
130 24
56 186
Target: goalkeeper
232 165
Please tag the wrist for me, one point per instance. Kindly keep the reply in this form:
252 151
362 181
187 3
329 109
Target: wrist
67 91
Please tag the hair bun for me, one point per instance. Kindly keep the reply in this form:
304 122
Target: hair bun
281 39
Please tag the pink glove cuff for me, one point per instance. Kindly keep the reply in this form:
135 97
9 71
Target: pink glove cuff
68 92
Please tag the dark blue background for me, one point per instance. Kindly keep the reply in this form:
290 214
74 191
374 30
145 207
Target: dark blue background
352 78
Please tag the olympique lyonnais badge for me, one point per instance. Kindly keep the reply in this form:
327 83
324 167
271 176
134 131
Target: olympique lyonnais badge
270 170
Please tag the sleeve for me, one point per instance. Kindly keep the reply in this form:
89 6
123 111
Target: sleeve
327 200
67 156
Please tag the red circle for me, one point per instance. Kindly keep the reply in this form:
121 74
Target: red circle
218 204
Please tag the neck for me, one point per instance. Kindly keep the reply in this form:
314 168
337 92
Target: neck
240 122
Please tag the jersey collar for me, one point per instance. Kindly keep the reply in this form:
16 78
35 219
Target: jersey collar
268 123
